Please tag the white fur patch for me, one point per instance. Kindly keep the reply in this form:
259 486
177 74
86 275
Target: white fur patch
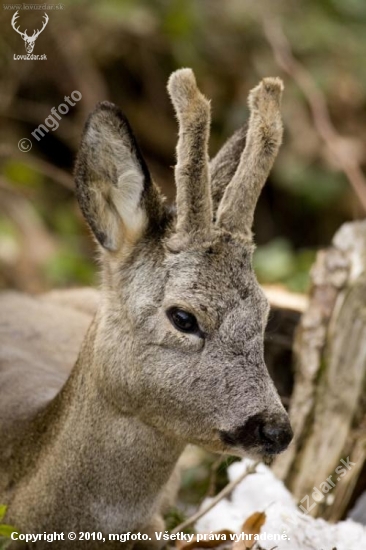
126 197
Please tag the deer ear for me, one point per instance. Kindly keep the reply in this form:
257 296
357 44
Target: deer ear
113 184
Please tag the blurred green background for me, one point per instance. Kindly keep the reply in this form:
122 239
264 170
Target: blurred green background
124 51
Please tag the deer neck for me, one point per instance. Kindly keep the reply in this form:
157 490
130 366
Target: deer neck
106 462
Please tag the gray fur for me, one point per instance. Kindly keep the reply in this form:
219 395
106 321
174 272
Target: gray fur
223 166
194 208
263 140
101 454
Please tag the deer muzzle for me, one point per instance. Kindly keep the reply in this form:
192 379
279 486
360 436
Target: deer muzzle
267 435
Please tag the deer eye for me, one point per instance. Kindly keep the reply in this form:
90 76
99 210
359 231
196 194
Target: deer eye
183 321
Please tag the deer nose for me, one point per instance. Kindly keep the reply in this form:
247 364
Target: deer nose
272 435
275 437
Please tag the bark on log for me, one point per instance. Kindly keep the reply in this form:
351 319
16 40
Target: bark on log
328 405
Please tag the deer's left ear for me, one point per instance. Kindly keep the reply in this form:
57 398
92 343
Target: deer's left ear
113 184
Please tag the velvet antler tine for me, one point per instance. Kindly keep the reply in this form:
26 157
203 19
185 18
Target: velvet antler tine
236 210
223 166
194 204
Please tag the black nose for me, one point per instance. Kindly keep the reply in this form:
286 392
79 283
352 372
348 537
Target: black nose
273 436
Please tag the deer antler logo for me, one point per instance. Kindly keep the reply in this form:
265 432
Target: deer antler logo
29 40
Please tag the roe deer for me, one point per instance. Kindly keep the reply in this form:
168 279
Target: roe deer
174 354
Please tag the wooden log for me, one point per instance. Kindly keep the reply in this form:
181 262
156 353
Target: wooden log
328 405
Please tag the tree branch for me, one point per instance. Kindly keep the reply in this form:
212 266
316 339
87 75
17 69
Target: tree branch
336 143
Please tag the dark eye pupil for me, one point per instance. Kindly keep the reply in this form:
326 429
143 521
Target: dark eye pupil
182 320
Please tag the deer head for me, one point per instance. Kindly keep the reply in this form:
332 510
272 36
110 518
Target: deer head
29 40
181 326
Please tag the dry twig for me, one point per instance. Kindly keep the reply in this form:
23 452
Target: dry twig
222 494
337 144
46 168
213 476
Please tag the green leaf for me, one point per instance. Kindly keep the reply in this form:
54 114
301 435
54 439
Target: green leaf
3 508
6 530
274 261
20 173
67 266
